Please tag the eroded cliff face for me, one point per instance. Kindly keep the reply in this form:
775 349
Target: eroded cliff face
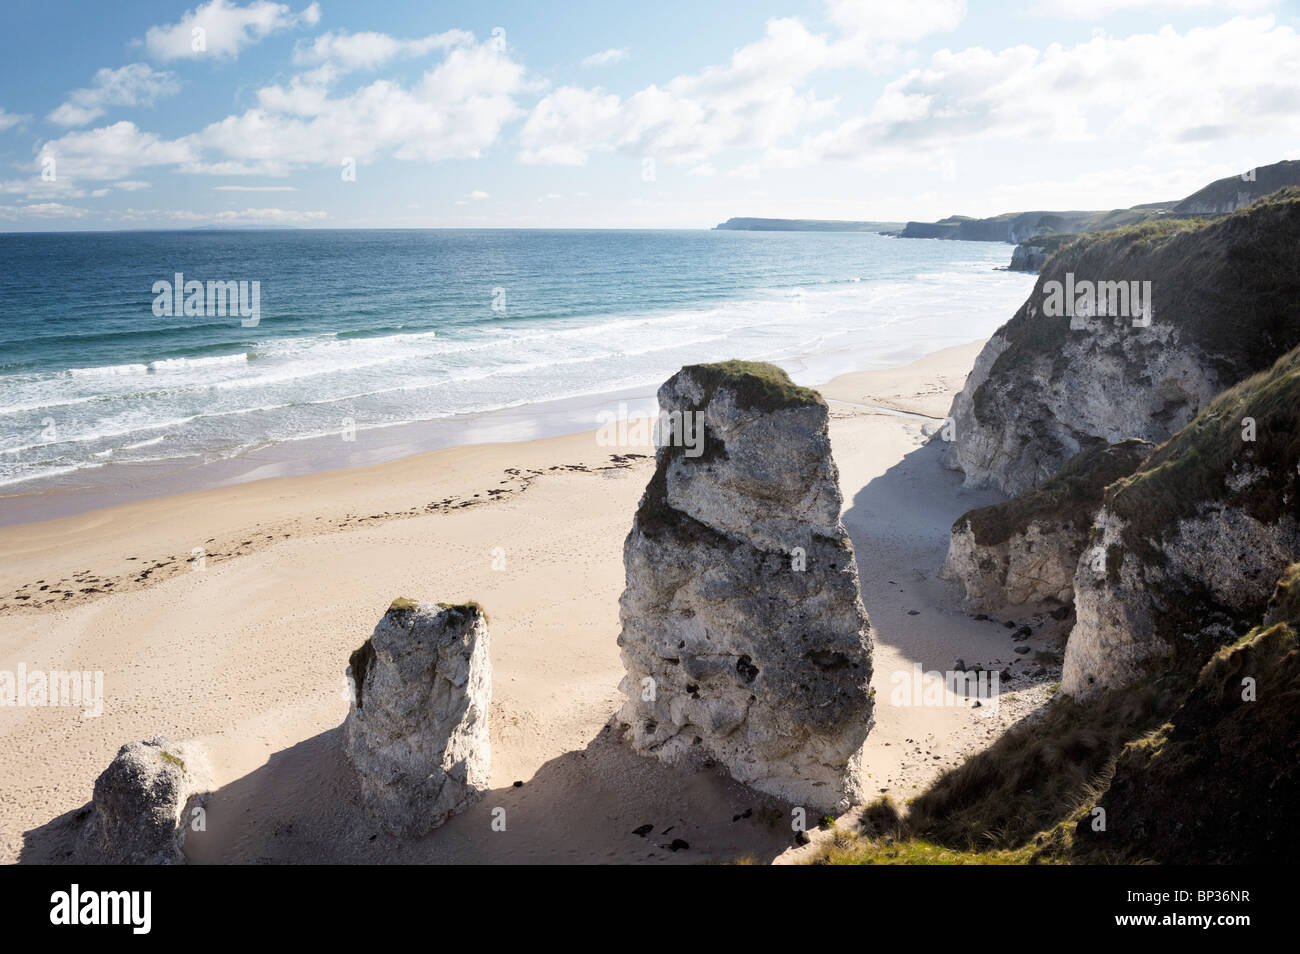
1129 333
744 636
1024 552
1185 551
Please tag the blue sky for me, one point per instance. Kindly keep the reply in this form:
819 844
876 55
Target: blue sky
586 114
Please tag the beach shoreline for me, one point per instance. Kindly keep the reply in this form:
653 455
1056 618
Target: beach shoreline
113 483
225 616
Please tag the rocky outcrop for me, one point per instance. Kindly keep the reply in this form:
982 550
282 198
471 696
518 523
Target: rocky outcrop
417 729
744 636
1218 784
1185 551
1028 258
1165 316
144 802
1024 552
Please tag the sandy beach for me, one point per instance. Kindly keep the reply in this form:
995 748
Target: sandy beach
225 617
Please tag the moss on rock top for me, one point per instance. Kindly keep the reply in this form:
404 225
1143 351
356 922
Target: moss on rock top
758 385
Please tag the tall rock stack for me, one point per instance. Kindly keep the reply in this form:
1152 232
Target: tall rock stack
744 636
417 730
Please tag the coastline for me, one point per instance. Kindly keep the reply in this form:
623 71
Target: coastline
114 483
245 656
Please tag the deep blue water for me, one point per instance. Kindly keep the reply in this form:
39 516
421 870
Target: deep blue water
375 328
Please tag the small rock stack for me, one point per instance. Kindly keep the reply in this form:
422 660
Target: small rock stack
417 730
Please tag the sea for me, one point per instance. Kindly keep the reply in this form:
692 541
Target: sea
438 337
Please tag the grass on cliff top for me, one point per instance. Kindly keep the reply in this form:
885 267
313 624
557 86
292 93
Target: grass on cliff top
1190 469
1230 284
1071 496
757 384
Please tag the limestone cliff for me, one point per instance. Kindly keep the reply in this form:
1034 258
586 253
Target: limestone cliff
744 636
1191 543
1154 321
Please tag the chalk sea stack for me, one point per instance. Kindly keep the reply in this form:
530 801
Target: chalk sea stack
417 729
744 636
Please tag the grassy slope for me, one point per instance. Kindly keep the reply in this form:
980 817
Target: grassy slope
1070 497
1221 781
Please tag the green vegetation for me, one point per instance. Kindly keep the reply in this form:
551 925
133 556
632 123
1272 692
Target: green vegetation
402 605
1190 470
1217 783
1222 192
174 760
758 385
1188 771
1070 497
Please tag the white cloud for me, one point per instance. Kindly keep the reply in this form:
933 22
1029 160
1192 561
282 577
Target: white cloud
884 22
704 169
1159 89
237 188
41 210
114 152
753 101
456 110
605 58
36 188
749 170
136 84
478 194
1092 9
132 185
338 53
226 28
242 216
9 120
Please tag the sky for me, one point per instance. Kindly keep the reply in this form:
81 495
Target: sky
142 114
